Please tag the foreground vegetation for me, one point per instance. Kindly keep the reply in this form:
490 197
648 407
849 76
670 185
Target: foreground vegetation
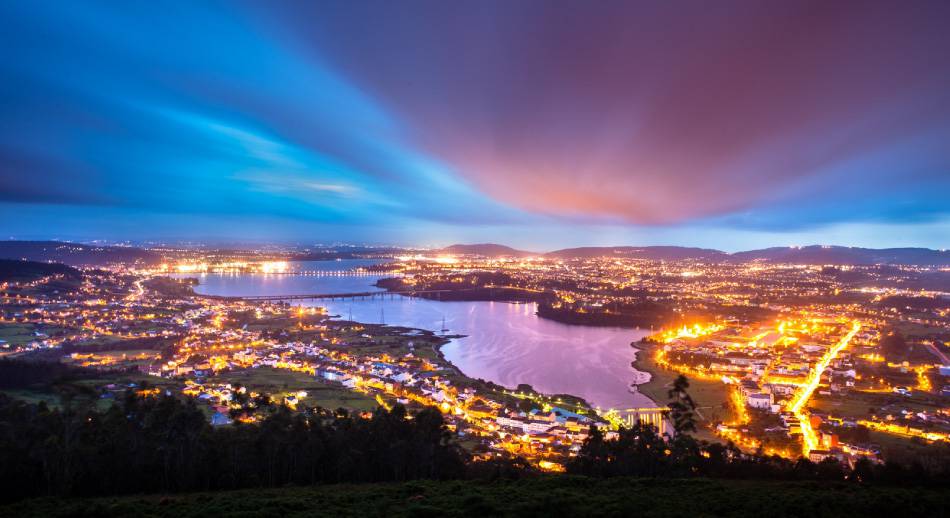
160 444
302 462
711 397
536 496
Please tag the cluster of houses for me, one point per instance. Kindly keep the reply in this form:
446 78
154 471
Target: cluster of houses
547 426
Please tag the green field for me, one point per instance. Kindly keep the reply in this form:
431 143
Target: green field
854 405
546 496
17 334
87 389
392 341
33 397
276 382
711 397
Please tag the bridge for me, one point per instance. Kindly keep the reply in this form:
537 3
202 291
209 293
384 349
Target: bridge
350 295
628 417
333 273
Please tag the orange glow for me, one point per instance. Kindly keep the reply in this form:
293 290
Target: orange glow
798 403
694 331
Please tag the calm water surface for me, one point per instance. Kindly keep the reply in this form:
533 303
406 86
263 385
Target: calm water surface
505 343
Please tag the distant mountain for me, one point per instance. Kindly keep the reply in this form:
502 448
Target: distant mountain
342 252
20 271
485 249
656 253
818 254
75 254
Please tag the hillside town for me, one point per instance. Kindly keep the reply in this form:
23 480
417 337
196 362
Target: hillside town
121 321
810 365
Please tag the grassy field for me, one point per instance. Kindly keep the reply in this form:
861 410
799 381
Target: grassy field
854 405
393 341
99 340
280 381
710 396
914 330
548 496
17 334
87 389
33 397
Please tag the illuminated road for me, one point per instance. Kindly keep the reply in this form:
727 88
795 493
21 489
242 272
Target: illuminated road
809 437
138 293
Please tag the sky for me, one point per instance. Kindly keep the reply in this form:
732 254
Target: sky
539 124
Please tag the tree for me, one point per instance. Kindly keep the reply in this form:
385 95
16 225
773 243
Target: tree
682 407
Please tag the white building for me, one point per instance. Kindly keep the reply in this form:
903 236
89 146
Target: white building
761 400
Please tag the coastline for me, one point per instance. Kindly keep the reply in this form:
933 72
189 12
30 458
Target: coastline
545 310
437 348
569 400
460 377
501 392
655 387
711 397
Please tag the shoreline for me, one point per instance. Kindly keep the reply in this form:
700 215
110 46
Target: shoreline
449 338
446 339
524 296
570 402
711 397
443 339
641 362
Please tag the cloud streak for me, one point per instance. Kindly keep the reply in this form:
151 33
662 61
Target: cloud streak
738 116
664 113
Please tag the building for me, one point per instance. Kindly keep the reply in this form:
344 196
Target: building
760 400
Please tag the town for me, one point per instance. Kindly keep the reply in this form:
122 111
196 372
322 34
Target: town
785 360
225 352
793 359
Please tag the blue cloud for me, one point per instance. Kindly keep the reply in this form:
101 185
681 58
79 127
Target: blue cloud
371 117
195 110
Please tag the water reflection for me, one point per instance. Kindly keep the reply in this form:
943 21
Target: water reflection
505 343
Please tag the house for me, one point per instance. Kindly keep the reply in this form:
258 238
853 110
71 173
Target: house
330 374
820 455
761 400
219 419
403 377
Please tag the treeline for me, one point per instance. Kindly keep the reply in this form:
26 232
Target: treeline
172 288
162 444
484 286
19 374
641 451
634 314
165 344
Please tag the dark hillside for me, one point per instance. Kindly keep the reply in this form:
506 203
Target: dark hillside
816 254
656 253
25 271
485 249
75 254
545 496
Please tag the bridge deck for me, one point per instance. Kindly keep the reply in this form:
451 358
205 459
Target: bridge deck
349 295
